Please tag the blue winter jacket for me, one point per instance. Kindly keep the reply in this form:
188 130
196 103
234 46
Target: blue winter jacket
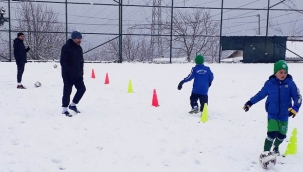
279 97
202 76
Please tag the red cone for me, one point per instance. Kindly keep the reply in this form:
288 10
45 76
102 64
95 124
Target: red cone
93 74
155 99
106 79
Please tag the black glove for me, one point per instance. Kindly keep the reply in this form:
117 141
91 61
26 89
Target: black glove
293 111
247 106
28 49
180 85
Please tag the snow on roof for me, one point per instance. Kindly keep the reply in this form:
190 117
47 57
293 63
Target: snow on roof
294 46
233 60
173 60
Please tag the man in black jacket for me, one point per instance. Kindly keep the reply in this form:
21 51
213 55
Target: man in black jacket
20 56
72 62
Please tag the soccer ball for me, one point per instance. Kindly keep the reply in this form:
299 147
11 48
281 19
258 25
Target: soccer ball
268 159
55 66
37 84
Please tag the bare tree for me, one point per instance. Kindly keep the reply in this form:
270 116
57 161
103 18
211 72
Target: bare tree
4 49
197 32
133 48
112 48
37 20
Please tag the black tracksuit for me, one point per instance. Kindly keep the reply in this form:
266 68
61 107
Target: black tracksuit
20 56
72 62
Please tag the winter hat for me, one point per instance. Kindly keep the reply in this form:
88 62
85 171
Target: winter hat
281 64
19 34
199 59
76 34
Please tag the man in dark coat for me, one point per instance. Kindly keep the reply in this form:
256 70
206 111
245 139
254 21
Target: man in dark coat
72 62
20 56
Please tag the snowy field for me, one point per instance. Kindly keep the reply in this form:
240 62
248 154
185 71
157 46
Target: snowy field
121 132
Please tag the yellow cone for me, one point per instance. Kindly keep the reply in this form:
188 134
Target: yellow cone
292 145
204 114
130 87
294 132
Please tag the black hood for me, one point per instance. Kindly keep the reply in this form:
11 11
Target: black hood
17 39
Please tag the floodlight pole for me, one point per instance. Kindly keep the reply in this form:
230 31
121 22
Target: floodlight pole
171 30
221 25
259 29
9 31
66 25
267 21
120 31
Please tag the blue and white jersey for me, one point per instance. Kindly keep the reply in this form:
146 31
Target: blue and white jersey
202 76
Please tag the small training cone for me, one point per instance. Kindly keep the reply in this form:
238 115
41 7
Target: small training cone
204 114
292 145
155 99
93 74
106 79
130 87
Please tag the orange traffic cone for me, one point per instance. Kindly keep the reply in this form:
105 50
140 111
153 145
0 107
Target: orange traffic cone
155 99
106 79
93 74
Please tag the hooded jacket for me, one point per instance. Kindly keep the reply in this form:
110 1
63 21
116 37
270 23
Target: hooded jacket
71 60
203 78
279 97
20 51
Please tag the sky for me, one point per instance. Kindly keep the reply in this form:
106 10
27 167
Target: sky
119 131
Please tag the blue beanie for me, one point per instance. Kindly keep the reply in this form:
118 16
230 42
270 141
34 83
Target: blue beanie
76 34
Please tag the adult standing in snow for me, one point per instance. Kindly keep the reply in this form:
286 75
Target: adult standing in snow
280 90
72 63
203 78
20 56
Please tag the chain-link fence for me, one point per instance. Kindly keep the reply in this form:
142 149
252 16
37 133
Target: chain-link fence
143 30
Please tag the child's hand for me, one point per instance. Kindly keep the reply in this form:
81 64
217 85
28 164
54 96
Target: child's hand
293 111
247 106
180 85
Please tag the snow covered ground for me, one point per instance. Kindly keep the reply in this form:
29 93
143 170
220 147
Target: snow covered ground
121 132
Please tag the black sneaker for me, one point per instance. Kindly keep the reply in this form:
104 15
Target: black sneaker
74 108
276 151
67 114
20 87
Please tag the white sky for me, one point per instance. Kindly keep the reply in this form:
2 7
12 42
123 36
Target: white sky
119 131
104 19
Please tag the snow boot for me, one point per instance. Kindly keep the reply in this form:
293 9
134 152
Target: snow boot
276 151
20 87
74 108
66 113
194 110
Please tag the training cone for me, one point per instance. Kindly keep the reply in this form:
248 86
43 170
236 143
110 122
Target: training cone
155 99
106 79
204 114
130 87
292 145
93 74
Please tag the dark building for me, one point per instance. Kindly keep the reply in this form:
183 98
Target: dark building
257 49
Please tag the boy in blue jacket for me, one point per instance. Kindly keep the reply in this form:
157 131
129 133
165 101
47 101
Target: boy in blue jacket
280 90
203 77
